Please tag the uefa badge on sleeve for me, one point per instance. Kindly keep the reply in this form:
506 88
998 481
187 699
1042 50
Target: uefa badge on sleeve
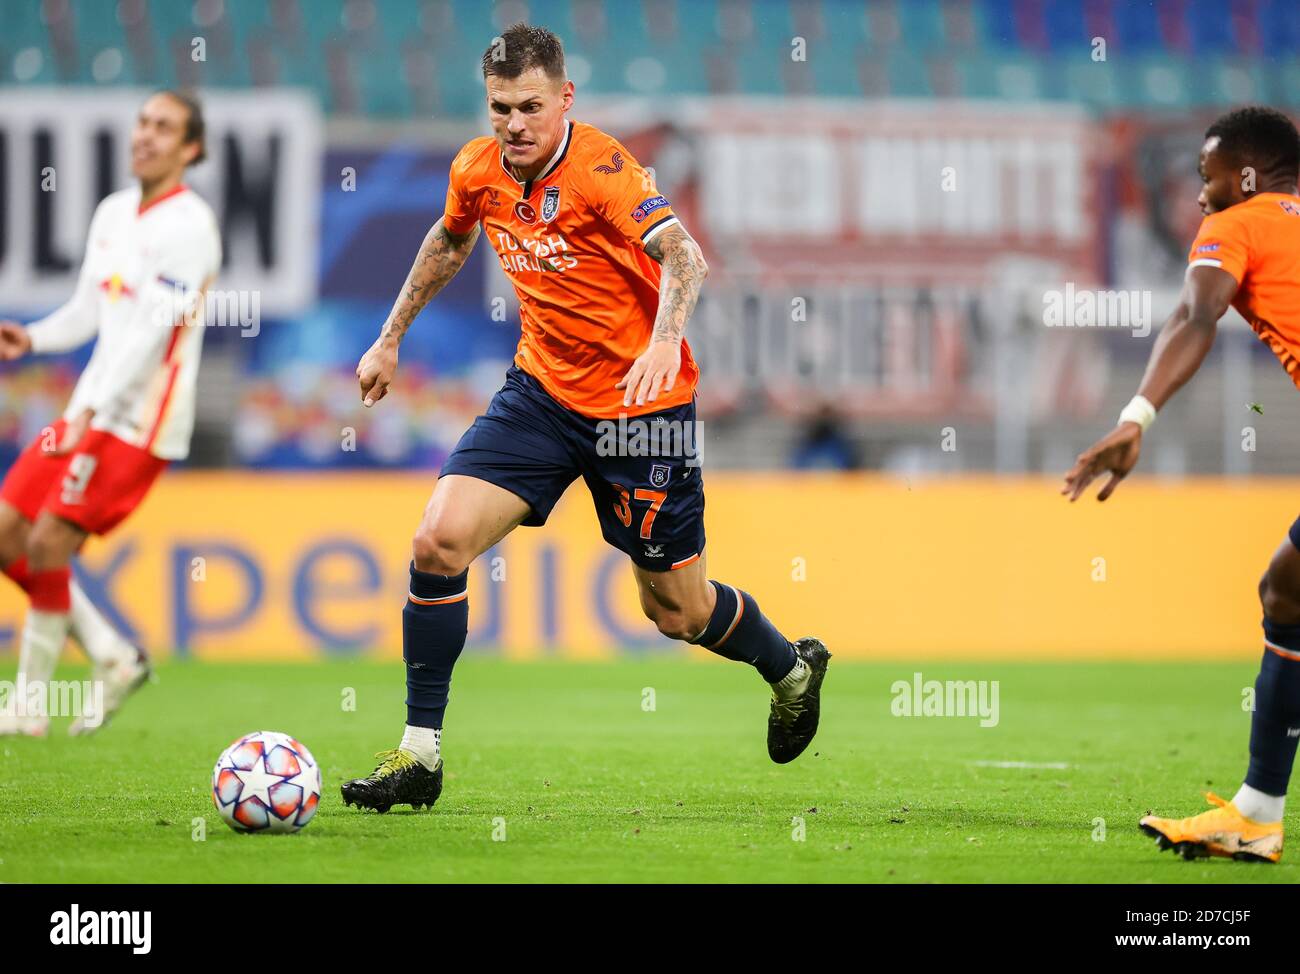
550 203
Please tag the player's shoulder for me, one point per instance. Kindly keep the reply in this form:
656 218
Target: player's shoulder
185 224
1232 222
1269 207
187 214
596 151
1260 208
191 205
476 158
122 203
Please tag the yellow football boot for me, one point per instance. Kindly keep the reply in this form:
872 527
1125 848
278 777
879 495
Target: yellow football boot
1222 831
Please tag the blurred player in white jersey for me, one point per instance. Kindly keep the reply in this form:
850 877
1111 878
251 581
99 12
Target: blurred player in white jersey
152 252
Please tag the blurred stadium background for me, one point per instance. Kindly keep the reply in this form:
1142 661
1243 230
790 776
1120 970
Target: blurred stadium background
885 190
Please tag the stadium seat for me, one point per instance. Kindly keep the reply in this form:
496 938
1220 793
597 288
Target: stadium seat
1091 84
763 70
834 69
1007 76
921 25
1138 28
1279 27
845 24
1065 26
1224 81
997 24
24 32
1286 83
1210 28
98 32
1157 81
1195 52
772 24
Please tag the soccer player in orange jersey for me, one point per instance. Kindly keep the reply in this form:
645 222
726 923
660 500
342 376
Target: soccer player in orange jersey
606 277
1247 254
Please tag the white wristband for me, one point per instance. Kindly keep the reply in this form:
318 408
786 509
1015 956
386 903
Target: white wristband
1140 411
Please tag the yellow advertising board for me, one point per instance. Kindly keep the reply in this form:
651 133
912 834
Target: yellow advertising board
283 566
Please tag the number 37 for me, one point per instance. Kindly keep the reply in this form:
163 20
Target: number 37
623 508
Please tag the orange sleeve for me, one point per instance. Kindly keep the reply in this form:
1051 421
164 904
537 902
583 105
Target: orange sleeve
1222 242
624 193
459 215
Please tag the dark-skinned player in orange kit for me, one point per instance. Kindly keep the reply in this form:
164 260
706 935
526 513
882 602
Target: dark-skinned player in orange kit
1247 255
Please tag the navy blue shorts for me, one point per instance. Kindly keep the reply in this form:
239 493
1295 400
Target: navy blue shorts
643 471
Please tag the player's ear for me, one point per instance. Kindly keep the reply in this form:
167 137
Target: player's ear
566 94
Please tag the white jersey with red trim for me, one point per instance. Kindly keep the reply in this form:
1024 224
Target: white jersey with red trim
141 291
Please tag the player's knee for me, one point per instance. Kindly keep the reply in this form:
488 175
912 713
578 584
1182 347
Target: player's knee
45 549
1279 604
439 550
673 622
13 545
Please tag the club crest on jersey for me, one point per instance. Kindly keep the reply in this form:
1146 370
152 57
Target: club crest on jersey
550 203
648 207
524 210
659 475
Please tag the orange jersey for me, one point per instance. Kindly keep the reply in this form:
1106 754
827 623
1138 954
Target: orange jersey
1258 243
573 244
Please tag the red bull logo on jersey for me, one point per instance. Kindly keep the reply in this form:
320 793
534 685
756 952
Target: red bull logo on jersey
116 288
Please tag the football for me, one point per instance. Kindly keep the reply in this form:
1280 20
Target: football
266 782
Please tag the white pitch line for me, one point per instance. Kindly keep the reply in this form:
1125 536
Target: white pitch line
1049 765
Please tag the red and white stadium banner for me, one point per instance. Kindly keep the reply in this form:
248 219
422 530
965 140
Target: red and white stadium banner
893 191
857 248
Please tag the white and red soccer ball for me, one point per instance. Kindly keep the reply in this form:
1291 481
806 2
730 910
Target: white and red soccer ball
266 782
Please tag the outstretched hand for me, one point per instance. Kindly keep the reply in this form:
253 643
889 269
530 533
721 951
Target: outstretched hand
1116 453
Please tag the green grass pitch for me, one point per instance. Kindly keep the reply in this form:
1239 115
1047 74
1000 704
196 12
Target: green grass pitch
592 787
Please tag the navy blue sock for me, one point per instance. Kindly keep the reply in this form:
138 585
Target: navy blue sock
738 630
434 624
1276 719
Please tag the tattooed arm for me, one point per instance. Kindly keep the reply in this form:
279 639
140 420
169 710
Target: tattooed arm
440 257
655 370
